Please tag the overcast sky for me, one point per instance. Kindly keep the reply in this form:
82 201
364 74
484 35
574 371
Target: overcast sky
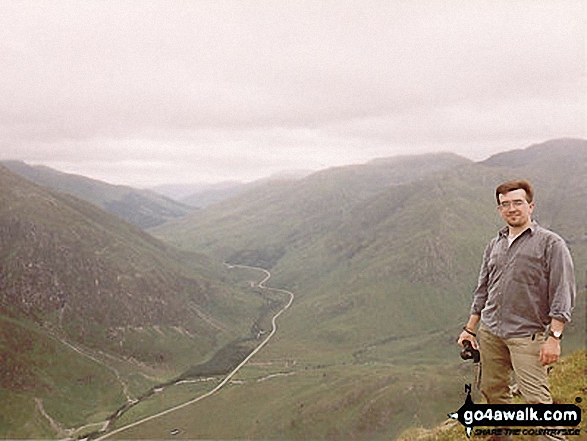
150 92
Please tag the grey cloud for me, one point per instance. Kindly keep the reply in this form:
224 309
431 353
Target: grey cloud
95 82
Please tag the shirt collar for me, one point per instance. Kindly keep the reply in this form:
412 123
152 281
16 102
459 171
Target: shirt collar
504 232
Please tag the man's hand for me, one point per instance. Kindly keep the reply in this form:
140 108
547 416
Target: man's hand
471 326
550 351
466 336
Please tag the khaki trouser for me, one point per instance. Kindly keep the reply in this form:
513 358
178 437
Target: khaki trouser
499 356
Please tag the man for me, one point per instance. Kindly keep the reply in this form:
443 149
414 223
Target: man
523 299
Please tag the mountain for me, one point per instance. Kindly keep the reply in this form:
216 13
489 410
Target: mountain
93 309
258 225
180 192
70 265
215 193
394 244
144 208
383 259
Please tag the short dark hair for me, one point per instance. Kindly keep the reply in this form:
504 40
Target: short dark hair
517 184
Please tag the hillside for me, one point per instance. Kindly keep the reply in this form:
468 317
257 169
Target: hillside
143 208
391 248
258 226
567 384
407 259
202 195
382 258
62 256
81 292
383 267
398 241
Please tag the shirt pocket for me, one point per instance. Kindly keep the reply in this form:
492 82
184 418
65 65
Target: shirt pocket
529 269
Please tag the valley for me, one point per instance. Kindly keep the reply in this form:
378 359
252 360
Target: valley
199 374
111 331
201 381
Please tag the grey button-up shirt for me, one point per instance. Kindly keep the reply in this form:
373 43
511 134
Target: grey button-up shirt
523 286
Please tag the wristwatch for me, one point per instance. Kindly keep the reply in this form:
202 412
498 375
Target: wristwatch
555 334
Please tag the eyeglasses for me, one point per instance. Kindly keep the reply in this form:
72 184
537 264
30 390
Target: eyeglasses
516 204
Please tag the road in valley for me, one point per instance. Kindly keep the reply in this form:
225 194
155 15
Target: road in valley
226 379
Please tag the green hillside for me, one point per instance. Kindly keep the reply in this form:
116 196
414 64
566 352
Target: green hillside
568 387
383 270
259 225
143 208
93 311
382 258
391 246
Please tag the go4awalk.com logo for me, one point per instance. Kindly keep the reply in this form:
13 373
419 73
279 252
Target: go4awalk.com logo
519 419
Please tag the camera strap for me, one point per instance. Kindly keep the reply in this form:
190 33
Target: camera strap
478 375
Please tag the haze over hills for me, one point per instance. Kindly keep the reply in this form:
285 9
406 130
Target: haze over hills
144 208
202 195
280 214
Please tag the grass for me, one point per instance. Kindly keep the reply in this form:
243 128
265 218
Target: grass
316 395
396 387
307 402
77 390
567 382
73 389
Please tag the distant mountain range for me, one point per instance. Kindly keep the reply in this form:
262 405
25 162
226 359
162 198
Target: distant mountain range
144 208
202 195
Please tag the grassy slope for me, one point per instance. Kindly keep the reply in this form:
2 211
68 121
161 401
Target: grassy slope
291 398
330 402
57 250
259 225
73 389
385 272
127 301
567 383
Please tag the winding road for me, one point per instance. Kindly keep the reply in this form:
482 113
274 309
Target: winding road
226 379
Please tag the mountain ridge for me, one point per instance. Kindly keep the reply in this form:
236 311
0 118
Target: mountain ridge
383 282
144 208
67 261
337 232
302 208
94 311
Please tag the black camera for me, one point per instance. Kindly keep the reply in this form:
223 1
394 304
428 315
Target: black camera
469 352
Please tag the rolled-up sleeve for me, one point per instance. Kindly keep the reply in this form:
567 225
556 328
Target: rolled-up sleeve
561 284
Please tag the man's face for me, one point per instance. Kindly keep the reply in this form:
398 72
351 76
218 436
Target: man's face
515 209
